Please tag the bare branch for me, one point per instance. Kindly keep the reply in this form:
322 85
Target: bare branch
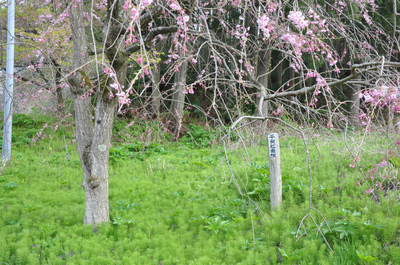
150 37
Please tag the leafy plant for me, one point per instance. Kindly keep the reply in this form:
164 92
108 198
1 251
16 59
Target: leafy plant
347 224
198 136
30 209
249 245
48 230
10 185
136 150
215 158
227 212
291 256
125 206
261 170
365 258
341 227
216 224
128 223
261 175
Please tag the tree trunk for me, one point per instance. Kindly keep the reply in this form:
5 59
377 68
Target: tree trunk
263 67
1 49
355 104
59 93
94 121
279 70
156 94
93 136
292 76
178 100
95 164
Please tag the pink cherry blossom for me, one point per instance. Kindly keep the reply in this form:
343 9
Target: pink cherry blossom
134 13
368 98
298 19
114 85
128 5
369 191
289 38
174 6
265 24
121 94
147 2
383 163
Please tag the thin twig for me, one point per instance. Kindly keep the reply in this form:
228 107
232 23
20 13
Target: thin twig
356 161
150 229
207 180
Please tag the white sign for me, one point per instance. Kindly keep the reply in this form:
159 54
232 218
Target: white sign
272 145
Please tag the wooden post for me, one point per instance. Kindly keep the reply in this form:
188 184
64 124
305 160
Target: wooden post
275 171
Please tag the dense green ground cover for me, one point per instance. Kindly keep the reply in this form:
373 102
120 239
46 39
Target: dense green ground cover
178 204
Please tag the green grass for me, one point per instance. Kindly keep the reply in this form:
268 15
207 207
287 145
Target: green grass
178 204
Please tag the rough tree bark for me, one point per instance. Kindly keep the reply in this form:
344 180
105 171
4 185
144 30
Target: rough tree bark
279 70
175 115
263 67
156 94
355 104
94 123
59 92
93 136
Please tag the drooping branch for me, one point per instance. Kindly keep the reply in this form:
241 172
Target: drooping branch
25 79
120 28
146 18
80 47
150 37
364 68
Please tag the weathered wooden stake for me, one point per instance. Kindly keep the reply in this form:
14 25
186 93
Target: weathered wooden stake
275 171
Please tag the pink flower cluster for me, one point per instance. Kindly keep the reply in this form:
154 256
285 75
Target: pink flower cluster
147 2
380 176
383 163
320 87
297 42
291 38
190 90
266 26
383 96
109 72
129 7
363 3
40 135
278 111
136 10
182 19
369 191
298 19
123 98
356 160
367 18
365 120
175 6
